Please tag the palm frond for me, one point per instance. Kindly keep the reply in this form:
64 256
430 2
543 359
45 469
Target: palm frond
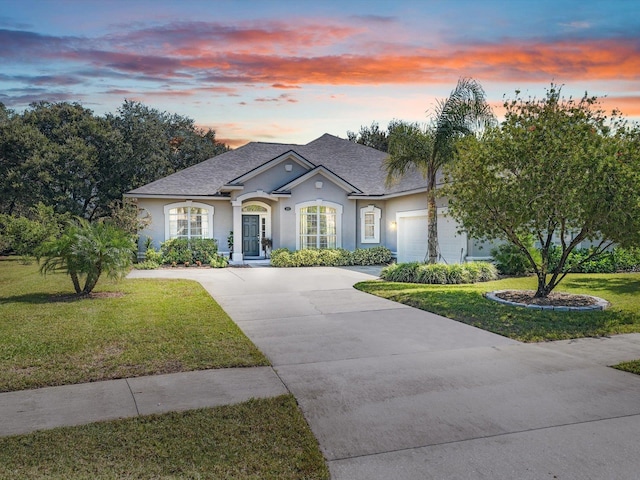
410 147
464 112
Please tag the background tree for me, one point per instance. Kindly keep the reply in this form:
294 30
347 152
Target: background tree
414 150
371 137
64 156
556 169
160 143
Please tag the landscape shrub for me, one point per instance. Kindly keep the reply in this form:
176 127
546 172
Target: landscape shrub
627 259
439 273
334 257
371 256
146 265
435 273
510 260
610 261
182 250
486 271
23 235
331 257
202 249
280 257
401 272
217 261
153 255
456 274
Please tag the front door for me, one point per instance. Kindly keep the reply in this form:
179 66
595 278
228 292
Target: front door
251 235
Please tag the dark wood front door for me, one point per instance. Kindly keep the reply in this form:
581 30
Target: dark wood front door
251 235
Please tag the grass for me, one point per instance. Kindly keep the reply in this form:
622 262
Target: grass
466 304
633 366
156 326
259 439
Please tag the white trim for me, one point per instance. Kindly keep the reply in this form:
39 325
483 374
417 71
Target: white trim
256 194
267 217
411 213
319 202
320 170
290 155
188 203
172 197
377 212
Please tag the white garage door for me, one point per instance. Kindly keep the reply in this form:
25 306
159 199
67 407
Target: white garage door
453 247
412 238
413 235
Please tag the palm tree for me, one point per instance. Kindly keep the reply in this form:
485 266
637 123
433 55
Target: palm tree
428 149
88 250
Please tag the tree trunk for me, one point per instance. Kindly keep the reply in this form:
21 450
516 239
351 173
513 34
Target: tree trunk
432 221
543 289
76 282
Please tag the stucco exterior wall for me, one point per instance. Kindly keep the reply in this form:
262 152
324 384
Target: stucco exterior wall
306 192
274 177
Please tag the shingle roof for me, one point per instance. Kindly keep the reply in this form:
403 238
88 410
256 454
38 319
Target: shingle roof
357 164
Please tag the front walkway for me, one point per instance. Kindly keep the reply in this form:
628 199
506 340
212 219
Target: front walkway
28 410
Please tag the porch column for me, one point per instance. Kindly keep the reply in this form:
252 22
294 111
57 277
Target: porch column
237 230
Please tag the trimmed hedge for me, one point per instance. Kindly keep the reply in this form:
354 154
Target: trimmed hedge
511 261
330 257
182 251
611 261
439 273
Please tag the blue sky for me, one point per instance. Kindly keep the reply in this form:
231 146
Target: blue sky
291 71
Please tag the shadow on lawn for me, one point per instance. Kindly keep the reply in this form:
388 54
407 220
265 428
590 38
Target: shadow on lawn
616 286
47 298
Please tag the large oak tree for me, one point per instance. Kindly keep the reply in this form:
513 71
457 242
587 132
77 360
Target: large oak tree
63 155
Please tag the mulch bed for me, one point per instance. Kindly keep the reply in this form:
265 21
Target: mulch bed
556 299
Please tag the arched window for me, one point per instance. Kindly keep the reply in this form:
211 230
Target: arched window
188 220
319 225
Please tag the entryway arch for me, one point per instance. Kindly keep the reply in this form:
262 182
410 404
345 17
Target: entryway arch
256 226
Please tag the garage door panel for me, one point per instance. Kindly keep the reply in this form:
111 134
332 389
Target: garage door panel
453 247
413 238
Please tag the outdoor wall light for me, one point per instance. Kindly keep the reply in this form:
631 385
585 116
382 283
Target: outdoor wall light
394 225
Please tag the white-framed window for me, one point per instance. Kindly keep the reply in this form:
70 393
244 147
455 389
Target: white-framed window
370 224
188 220
318 225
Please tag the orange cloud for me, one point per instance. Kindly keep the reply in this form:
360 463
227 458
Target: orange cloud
580 60
629 106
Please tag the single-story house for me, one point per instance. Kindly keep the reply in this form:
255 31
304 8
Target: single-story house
328 193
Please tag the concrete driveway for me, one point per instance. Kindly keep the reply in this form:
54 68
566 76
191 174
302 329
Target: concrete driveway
394 392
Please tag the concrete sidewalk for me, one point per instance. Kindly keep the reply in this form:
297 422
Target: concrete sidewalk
28 410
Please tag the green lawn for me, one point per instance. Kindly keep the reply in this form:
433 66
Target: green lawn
156 326
465 303
259 439
633 366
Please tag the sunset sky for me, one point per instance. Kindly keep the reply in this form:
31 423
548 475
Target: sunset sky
289 71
